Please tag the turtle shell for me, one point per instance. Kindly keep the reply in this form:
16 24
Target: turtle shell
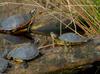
72 38
3 65
14 39
15 21
26 51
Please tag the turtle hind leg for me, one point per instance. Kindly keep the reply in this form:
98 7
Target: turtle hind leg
24 65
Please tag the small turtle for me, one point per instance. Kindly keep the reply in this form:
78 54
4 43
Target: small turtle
3 65
72 38
22 52
15 22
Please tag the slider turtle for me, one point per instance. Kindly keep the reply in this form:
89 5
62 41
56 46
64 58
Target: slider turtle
73 38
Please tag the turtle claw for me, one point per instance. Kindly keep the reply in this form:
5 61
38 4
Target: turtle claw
24 65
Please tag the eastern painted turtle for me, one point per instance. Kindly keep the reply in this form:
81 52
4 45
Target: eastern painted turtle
14 39
22 52
16 22
73 38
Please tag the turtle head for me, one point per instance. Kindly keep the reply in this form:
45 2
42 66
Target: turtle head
33 12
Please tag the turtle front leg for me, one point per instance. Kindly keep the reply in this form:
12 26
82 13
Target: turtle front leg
20 63
53 36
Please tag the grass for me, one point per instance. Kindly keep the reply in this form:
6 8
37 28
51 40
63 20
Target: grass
82 12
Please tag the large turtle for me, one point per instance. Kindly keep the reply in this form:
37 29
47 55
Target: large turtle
22 52
16 22
72 38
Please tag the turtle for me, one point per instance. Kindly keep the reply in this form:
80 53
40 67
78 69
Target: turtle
3 65
23 52
12 39
16 22
4 52
72 38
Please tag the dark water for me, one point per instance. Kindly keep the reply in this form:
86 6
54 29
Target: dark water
95 69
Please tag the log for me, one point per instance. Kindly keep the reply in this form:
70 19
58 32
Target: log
62 58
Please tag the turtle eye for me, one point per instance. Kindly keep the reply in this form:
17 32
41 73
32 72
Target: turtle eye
33 11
